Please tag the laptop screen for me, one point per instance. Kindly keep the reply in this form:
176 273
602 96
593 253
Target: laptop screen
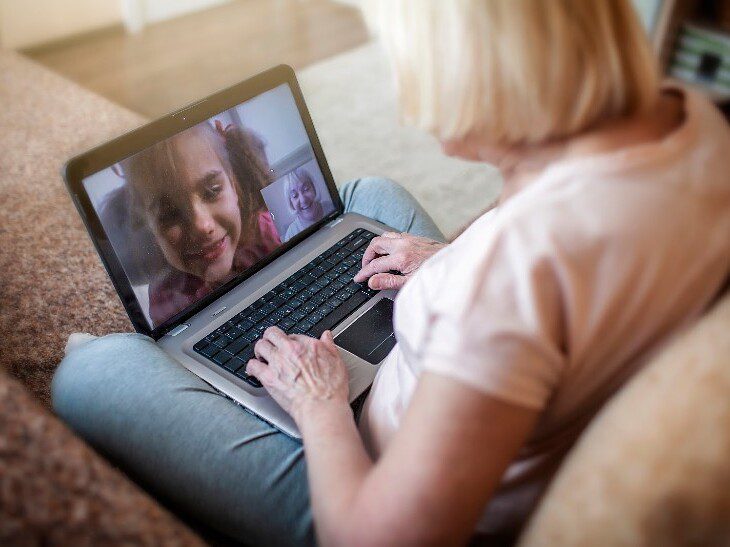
196 210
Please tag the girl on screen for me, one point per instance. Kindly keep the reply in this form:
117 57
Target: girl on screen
199 194
303 199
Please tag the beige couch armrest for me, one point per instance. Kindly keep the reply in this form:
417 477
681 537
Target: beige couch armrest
654 466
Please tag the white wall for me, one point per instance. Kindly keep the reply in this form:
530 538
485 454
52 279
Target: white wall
138 13
25 23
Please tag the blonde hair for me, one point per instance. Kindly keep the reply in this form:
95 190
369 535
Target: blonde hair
299 175
516 71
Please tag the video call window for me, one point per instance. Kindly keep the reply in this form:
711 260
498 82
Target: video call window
190 213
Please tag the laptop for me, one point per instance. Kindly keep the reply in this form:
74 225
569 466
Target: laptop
222 219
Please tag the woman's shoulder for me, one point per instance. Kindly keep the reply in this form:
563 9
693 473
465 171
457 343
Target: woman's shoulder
293 229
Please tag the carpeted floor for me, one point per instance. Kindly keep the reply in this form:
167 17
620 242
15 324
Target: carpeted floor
51 280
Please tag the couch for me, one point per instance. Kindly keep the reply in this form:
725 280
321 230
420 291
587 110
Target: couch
652 468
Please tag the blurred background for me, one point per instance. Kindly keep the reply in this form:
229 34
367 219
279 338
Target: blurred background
155 55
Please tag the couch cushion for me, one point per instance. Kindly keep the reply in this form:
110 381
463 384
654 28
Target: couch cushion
654 467
52 282
54 490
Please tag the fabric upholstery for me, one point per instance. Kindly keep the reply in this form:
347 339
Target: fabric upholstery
653 468
54 490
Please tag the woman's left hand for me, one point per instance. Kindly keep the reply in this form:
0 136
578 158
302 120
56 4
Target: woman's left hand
298 370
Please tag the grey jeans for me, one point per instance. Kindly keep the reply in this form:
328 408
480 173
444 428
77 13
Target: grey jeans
195 449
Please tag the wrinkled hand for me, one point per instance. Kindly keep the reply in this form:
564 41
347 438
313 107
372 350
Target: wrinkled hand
297 370
394 252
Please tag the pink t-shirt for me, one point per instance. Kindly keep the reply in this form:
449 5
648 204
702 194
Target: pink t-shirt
558 296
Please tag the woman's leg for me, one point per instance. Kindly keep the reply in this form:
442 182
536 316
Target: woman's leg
184 441
187 443
388 202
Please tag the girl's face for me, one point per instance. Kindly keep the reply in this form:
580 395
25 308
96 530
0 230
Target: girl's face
303 198
195 216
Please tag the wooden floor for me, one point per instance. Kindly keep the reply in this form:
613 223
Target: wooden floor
170 64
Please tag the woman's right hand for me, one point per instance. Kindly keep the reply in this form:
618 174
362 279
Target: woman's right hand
393 252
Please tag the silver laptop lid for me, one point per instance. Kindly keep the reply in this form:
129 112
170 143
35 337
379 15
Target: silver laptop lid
189 216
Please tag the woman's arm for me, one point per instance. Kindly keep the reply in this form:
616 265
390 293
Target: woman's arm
435 478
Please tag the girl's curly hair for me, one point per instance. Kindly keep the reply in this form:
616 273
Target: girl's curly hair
242 154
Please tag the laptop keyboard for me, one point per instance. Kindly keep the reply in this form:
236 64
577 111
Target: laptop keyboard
316 298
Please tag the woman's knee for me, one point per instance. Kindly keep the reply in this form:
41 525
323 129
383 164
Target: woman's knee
93 367
390 203
368 191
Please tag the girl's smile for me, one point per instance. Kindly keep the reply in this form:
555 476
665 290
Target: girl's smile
194 211
210 253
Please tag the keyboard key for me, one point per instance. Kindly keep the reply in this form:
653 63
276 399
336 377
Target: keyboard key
258 304
256 317
319 298
343 295
316 316
356 244
299 286
222 357
234 364
268 308
305 325
233 333
244 324
209 351
222 341
287 324
246 354
238 345
248 379
253 381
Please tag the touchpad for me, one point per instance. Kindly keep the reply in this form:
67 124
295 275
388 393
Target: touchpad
371 336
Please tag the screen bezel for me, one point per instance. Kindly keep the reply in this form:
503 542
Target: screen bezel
108 154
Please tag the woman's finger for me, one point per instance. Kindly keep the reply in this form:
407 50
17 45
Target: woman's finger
276 336
328 339
380 245
385 281
382 264
263 350
254 367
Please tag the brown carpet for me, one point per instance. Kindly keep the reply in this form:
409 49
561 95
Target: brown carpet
51 280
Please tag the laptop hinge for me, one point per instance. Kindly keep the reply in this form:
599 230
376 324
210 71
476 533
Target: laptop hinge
335 221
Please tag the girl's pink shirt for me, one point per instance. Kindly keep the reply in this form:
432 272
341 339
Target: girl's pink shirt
174 290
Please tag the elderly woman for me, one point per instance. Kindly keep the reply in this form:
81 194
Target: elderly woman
611 234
